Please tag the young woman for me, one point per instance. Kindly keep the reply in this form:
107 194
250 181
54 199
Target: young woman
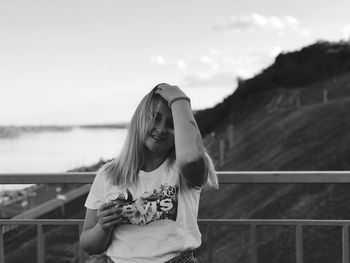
143 205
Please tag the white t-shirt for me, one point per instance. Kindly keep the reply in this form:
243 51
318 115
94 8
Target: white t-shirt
161 214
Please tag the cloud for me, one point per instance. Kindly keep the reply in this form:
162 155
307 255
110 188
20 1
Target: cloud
207 61
256 21
345 32
216 69
244 74
181 64
222 79
263 56
275 51
229 68
161 61
214 51
158 60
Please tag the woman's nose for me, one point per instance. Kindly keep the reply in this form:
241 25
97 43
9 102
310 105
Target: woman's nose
160 126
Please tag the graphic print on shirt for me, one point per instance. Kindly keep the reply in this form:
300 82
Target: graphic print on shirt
149 207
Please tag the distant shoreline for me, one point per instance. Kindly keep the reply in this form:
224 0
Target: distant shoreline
104 126
15 131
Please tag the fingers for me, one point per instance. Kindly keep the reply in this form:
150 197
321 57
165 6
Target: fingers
106 209
106 206
111 221
162 85
109 212
168 92
109 215
108 226
165 87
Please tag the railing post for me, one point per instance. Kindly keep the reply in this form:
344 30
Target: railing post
209 245
325 96
40 244
81 251
346 244
222 151
299 243
253 244
2 248
230 136
297 102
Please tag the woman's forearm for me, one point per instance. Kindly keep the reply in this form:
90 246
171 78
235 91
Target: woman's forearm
95 240
188 143
189 150
187 136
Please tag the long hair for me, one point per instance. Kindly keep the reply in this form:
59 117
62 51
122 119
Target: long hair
212 182
123 170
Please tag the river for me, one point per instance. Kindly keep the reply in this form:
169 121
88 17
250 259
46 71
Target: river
58 151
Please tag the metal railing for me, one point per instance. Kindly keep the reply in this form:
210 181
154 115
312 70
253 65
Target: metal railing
39 223
224 178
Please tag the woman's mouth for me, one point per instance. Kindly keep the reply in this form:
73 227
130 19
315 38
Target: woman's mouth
157 137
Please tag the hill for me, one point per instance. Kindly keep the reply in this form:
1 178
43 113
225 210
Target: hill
320 63
286 125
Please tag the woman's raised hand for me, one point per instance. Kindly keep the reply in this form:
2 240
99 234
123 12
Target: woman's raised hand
170 93
109 216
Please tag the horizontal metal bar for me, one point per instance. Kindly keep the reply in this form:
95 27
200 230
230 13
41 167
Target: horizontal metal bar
41 221
46 178
267 222
261 222
284 177
229 177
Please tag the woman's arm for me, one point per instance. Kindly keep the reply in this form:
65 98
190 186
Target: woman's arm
98 228
189 149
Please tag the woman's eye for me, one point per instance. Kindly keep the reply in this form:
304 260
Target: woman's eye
157 119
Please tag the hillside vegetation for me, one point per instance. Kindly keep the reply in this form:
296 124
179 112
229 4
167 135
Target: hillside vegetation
320 63
284 123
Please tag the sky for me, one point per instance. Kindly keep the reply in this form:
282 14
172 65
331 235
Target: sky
91 62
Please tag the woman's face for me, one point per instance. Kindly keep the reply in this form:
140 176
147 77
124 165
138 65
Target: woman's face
160 138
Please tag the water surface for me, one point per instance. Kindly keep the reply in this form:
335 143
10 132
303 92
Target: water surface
58 151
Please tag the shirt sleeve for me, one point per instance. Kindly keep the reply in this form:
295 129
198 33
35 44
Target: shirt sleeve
96 196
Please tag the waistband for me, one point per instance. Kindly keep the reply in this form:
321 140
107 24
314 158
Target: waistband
187 256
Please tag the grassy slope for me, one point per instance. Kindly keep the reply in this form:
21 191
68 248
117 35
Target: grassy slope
294 140
312 137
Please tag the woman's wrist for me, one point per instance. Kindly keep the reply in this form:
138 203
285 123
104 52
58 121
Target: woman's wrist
182 97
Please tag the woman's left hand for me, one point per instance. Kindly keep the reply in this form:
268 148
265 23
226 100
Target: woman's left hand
168 92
